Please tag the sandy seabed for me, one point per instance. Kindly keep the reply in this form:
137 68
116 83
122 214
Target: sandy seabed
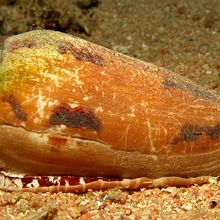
183 36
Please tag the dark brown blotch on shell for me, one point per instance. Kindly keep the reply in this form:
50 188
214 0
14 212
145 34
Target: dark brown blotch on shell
194 132
185 85
16 107
14 45
75 118
80 53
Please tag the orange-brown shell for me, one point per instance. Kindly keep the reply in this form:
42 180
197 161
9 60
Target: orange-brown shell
68 106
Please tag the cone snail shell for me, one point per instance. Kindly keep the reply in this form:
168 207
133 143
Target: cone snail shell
69 107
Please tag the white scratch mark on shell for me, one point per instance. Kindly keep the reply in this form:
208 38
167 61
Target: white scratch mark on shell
74 105
52 77
41 104
86 98
132 115
153 149
114 96
103 72
99 109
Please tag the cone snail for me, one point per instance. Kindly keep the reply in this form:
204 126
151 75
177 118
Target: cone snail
72 112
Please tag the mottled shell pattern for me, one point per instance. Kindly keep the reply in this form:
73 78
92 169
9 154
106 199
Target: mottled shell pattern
70 107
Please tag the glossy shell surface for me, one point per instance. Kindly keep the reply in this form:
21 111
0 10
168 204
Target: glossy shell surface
70 107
